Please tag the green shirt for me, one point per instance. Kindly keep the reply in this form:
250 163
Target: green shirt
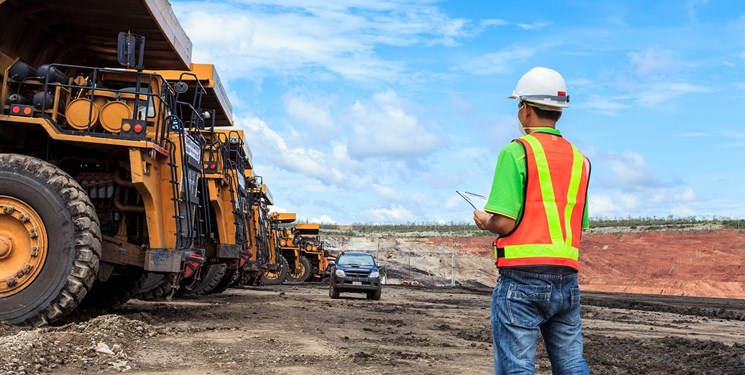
507 190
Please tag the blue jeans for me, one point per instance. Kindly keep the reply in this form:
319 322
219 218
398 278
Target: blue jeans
524 303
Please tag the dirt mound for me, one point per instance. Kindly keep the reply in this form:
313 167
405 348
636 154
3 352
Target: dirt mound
100 344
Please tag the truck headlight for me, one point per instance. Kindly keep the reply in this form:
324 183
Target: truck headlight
374 275
340 273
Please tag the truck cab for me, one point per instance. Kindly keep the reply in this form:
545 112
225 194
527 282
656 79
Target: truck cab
356 272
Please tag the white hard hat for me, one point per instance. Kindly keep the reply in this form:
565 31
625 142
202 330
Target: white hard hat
542 87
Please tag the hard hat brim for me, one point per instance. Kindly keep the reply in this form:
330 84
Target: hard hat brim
541 102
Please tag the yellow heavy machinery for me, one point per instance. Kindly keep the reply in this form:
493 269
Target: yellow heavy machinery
283 238
301 246
226 157
311 247
100 168
226 160
262 263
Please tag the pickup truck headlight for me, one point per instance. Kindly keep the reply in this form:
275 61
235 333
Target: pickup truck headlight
374 275
340 273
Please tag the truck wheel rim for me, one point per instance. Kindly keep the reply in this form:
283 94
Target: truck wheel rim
23 245
301 273
272 275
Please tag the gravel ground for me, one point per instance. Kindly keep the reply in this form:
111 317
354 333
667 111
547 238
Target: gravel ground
298 329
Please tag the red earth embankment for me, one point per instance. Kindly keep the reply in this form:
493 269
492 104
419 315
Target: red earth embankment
686 263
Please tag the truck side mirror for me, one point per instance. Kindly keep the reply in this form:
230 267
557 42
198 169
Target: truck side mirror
379 265
332 263
127 52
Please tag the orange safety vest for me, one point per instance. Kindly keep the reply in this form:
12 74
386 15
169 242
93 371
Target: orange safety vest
555 193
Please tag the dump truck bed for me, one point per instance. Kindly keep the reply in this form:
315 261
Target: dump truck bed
309 228
84 32
216 97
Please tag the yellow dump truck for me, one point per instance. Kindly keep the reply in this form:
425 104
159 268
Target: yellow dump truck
302 248
226 157
312 251
284 239
100 168
261 262
226 161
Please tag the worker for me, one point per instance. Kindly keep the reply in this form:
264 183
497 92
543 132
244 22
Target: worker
538 209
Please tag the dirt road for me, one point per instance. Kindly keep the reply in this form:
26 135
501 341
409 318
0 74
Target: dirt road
298 329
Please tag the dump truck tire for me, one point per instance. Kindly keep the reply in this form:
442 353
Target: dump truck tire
49 235
155 286
226 282
276 277
211 278
304 272
115 291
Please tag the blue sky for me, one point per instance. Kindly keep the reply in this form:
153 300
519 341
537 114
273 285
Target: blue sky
377 111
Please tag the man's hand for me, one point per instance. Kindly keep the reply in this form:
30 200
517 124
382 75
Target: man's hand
496 224
481 219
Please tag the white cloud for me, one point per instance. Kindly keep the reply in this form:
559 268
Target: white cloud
477 153
454 202
604 206
312 38
278 209
654 78
691 6
603 104
580 82
626 185
383 128
682 211
396 214
533 26
306 161
498 62
493 22
653 61
301 108
665 92
672 195
632 172
386 191
323 219
662 202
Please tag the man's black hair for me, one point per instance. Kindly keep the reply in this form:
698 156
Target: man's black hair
544 114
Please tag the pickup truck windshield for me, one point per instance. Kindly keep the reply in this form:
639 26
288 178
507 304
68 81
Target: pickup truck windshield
356 260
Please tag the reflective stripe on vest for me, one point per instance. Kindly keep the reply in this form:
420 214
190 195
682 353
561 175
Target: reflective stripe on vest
558 248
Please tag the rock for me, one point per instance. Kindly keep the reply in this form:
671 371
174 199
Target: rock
103 348
120 366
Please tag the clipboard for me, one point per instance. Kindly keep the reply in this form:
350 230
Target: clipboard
467 197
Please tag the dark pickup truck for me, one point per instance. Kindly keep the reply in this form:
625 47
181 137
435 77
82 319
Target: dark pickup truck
356 272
